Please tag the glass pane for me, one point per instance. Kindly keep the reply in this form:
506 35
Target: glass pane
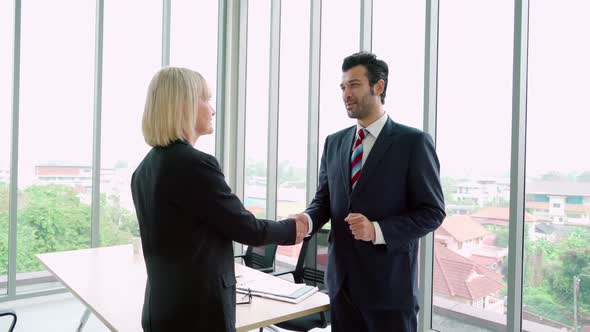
293 108
398 39
474 126
55 134
557 238
6 40
193 44
257 67
127 71
339 18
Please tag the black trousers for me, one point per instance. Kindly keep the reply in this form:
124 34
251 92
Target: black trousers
347 317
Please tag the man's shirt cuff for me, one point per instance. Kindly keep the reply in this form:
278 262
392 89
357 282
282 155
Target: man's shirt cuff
379 239
309 224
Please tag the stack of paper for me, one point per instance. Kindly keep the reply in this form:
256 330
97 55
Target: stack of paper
287 292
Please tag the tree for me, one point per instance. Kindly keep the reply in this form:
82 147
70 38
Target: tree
117 224
570 258
60 220
53 218
448 187
536 253
540 302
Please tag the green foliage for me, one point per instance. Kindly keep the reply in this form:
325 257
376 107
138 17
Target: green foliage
448 185
53 218
117 223
501 234
568 257
539 301
59 220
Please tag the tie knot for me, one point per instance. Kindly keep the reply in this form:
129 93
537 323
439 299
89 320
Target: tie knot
362 133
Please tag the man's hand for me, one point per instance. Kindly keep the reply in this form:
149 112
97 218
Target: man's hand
301 226
361 227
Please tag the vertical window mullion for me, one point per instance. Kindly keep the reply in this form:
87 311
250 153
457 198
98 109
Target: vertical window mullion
222 68
430 102
97 134
13 189
166 32
313 126
517 166
366 42
273 109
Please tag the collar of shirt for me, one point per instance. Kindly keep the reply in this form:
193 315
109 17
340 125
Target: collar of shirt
375 127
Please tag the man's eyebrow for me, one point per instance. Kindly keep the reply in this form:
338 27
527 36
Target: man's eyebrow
355 80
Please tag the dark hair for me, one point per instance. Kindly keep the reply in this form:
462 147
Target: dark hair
376 69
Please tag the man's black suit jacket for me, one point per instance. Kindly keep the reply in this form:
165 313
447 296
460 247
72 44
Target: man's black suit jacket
188 218
399 187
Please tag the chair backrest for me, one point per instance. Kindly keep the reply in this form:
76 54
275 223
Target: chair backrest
308 274
262 257
9 313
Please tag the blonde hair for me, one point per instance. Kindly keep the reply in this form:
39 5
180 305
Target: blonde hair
171 106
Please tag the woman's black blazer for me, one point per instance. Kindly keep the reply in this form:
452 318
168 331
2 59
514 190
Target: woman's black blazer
188 218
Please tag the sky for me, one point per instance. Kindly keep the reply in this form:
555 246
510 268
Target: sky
474 87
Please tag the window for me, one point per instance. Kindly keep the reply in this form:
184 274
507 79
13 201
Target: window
193 44
256 145
293 115
474 114
127 70
398 39
55 134
340 38
558 74
6 40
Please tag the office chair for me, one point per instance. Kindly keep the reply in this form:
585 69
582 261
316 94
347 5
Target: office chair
9 313
310 276
260 258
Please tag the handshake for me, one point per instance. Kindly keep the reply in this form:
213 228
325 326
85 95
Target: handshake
301 226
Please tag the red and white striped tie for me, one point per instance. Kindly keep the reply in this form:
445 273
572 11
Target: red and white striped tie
356 159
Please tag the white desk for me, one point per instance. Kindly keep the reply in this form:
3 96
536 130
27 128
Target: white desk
110 281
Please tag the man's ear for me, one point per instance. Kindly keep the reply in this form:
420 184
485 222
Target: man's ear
378 87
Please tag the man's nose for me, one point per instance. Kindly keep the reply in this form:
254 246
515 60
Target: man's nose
347 94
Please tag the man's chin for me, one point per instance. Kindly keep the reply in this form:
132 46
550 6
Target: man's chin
352 114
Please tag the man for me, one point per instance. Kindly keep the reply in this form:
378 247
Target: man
379 185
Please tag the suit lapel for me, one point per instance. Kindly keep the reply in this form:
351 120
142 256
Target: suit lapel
377 153
345 151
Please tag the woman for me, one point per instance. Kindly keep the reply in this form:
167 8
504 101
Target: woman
187 214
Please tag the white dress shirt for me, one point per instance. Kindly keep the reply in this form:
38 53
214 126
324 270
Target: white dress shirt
374 130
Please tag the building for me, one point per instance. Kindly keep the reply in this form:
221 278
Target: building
500 216
481 192
559 201
467 237
80 178
462 280
461 234
77 176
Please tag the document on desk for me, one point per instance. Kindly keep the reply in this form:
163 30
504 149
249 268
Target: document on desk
277 289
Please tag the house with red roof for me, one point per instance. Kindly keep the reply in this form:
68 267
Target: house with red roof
500 216
460 233
463 280
465 236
